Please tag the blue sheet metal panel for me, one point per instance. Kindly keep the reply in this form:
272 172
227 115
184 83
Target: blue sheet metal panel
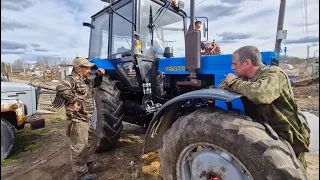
209 64
216 64
267 56
102 63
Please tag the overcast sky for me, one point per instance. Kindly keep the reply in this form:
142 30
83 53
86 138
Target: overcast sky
35 28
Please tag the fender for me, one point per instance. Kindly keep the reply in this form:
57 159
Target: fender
167 114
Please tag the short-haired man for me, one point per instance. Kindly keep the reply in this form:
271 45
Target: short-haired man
77 92
197 25
268 97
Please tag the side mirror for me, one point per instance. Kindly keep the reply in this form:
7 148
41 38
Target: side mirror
88 25
205 27
204 30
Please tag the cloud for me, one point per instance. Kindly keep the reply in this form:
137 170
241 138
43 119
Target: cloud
12 45
11 25
56 26
258 15
217 11
236 1
309 24
16 5
11 52
229 36
41 50
35 45
226 41
232 1
302 40
73 6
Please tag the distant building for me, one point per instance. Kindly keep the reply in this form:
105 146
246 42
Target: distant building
315 68
65 70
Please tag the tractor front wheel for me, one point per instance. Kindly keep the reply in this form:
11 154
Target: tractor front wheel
217 144
109 114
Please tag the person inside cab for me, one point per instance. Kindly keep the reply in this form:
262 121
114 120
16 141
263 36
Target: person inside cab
198 25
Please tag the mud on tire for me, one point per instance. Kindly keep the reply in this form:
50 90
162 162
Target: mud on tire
109 114
264 157
7 138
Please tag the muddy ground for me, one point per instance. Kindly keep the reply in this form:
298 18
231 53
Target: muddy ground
44 153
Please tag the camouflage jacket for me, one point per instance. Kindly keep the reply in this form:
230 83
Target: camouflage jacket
76 88
268 97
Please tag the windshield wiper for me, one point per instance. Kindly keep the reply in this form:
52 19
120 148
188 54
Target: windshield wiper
151 25
152 19
122 16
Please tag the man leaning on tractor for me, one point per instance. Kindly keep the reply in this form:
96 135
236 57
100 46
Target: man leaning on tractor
77 92
268 97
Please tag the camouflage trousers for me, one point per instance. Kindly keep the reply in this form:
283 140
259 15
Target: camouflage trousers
83 143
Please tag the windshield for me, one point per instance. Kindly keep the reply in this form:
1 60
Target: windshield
99 37
122 29
168 30
122 33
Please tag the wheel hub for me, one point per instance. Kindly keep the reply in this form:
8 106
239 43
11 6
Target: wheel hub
214 166
209 163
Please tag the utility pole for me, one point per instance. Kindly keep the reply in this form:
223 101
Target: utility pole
281 34
306 69
308 52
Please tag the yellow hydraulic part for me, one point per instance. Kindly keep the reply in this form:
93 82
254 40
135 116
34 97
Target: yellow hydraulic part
137 49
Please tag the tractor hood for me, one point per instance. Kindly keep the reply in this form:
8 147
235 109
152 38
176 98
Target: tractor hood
14 87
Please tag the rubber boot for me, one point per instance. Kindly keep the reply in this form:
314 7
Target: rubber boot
92 167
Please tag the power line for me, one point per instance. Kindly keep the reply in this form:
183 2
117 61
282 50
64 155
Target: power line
196 4
306 21
302 16
200 2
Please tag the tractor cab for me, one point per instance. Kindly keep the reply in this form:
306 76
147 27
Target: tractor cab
127 35
138 27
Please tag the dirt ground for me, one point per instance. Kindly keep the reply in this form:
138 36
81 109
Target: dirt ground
44 153
307 97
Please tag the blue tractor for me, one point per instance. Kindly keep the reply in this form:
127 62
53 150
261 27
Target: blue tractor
157 78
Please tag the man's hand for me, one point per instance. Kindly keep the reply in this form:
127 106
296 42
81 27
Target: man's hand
73 107
100 71
230 77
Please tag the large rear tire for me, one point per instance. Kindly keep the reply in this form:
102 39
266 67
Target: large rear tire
109 114
7 138
251 150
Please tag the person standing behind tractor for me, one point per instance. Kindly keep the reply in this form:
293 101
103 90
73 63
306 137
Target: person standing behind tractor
77 92
268 97
208 48
211 48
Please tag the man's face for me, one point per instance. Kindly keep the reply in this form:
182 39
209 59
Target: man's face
240 69
84 71
198 25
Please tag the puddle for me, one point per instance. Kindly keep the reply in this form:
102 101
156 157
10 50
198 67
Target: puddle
313 121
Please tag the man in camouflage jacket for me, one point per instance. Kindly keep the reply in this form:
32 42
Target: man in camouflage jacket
77 92
268 97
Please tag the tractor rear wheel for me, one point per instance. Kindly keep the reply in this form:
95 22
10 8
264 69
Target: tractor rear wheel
109 114
7 138
217 144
